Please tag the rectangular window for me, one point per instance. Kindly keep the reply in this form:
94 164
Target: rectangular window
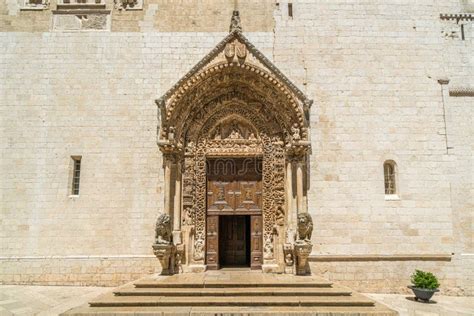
290 10
76 175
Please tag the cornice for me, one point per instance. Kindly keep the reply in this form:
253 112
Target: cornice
457 16
461 92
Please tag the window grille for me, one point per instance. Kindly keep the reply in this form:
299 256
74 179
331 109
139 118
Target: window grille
389 174
76 175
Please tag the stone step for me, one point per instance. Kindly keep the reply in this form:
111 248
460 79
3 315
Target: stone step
130 290
159 284
110 300
377 310
247 280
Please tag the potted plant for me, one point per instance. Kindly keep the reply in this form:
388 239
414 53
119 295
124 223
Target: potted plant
425 284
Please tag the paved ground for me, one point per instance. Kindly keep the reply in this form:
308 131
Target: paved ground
52 300
441 305
44 300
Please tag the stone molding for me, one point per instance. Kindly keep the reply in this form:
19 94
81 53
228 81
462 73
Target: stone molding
75 257
399 257
237 34
461 92
457 16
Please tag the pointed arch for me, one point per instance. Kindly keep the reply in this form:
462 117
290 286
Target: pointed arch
234 102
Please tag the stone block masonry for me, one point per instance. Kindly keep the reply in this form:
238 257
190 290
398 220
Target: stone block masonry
371 68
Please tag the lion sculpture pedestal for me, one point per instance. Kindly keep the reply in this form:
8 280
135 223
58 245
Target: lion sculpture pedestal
165 254
303 245
163 247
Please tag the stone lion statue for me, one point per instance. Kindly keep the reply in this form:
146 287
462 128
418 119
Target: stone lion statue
305 227
163 230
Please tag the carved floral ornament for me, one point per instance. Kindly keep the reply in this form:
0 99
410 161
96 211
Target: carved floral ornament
235 102
232 83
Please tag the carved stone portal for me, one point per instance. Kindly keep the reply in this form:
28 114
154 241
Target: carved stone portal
234 103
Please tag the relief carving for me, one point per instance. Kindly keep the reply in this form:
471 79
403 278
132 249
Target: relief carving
228 107
305 227
295 132
128 4
235 22
163 230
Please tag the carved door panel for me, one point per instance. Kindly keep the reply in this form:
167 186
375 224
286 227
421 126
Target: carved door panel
233 241
220 196
248 196
256 251
212 242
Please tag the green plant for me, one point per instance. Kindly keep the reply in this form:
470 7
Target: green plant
424 280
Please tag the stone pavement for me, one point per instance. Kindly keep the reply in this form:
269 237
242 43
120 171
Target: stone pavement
44 300
440 305
52 300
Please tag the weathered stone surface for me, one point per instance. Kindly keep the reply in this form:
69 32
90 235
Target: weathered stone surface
373 74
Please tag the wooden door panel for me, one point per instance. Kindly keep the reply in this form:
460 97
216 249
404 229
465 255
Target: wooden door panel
220 196
212 242
256 253
248 196
239 240
227 243
234 206
233 244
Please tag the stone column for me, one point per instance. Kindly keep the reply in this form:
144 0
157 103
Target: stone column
289 193
177 206
299 187
167 184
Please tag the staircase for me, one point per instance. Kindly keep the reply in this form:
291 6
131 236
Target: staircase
232 292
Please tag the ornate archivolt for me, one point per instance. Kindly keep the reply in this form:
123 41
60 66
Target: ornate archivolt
233 103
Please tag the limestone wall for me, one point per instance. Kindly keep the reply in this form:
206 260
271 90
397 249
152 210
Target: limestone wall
372 70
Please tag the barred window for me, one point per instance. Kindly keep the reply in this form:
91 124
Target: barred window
390 170
76 175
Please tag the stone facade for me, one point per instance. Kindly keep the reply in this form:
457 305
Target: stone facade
388 81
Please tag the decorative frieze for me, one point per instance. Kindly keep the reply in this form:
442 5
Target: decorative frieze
457 16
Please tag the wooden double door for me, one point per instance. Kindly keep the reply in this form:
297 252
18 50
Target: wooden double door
234 219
